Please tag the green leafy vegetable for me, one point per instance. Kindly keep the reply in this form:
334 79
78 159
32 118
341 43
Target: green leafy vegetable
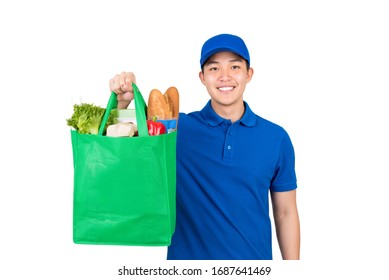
87 117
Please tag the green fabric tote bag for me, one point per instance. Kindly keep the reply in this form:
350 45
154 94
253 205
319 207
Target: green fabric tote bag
124 188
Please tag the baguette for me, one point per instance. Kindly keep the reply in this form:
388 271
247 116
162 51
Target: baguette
163 106
174 101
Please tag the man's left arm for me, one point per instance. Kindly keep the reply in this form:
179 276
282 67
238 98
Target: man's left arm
287 223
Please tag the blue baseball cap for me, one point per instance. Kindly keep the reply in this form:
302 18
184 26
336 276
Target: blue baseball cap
224 42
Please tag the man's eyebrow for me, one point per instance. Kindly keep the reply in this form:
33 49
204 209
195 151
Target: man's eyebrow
236 60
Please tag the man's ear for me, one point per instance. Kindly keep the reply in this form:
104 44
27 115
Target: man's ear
250 74
201 76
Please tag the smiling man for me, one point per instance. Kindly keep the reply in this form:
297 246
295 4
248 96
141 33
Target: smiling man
228 162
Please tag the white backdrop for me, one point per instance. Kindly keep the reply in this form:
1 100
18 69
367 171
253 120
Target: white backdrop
321 72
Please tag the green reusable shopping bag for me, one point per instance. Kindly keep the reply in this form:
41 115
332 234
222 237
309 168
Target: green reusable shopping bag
124 187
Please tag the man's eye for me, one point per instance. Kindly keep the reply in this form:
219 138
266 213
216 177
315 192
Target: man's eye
235 67
213 69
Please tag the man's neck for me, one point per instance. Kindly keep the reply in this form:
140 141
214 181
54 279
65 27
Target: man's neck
231 112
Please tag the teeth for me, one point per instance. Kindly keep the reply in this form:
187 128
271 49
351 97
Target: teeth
225 88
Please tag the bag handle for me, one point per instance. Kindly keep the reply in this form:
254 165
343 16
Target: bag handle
140 111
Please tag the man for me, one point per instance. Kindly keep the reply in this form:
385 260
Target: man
228 160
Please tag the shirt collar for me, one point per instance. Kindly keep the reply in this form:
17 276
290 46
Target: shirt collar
213 119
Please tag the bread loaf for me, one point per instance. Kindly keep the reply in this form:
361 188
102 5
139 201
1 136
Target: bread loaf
173 98
163 106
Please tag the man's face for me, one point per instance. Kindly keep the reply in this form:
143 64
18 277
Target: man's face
225 76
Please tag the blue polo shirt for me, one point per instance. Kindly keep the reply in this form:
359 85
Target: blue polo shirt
224 174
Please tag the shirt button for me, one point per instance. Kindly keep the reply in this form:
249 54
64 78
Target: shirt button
229 147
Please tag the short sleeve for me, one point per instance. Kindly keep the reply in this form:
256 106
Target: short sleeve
284 178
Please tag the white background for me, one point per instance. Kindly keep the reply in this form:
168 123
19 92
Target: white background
321 72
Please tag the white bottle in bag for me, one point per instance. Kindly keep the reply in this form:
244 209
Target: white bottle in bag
125 126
